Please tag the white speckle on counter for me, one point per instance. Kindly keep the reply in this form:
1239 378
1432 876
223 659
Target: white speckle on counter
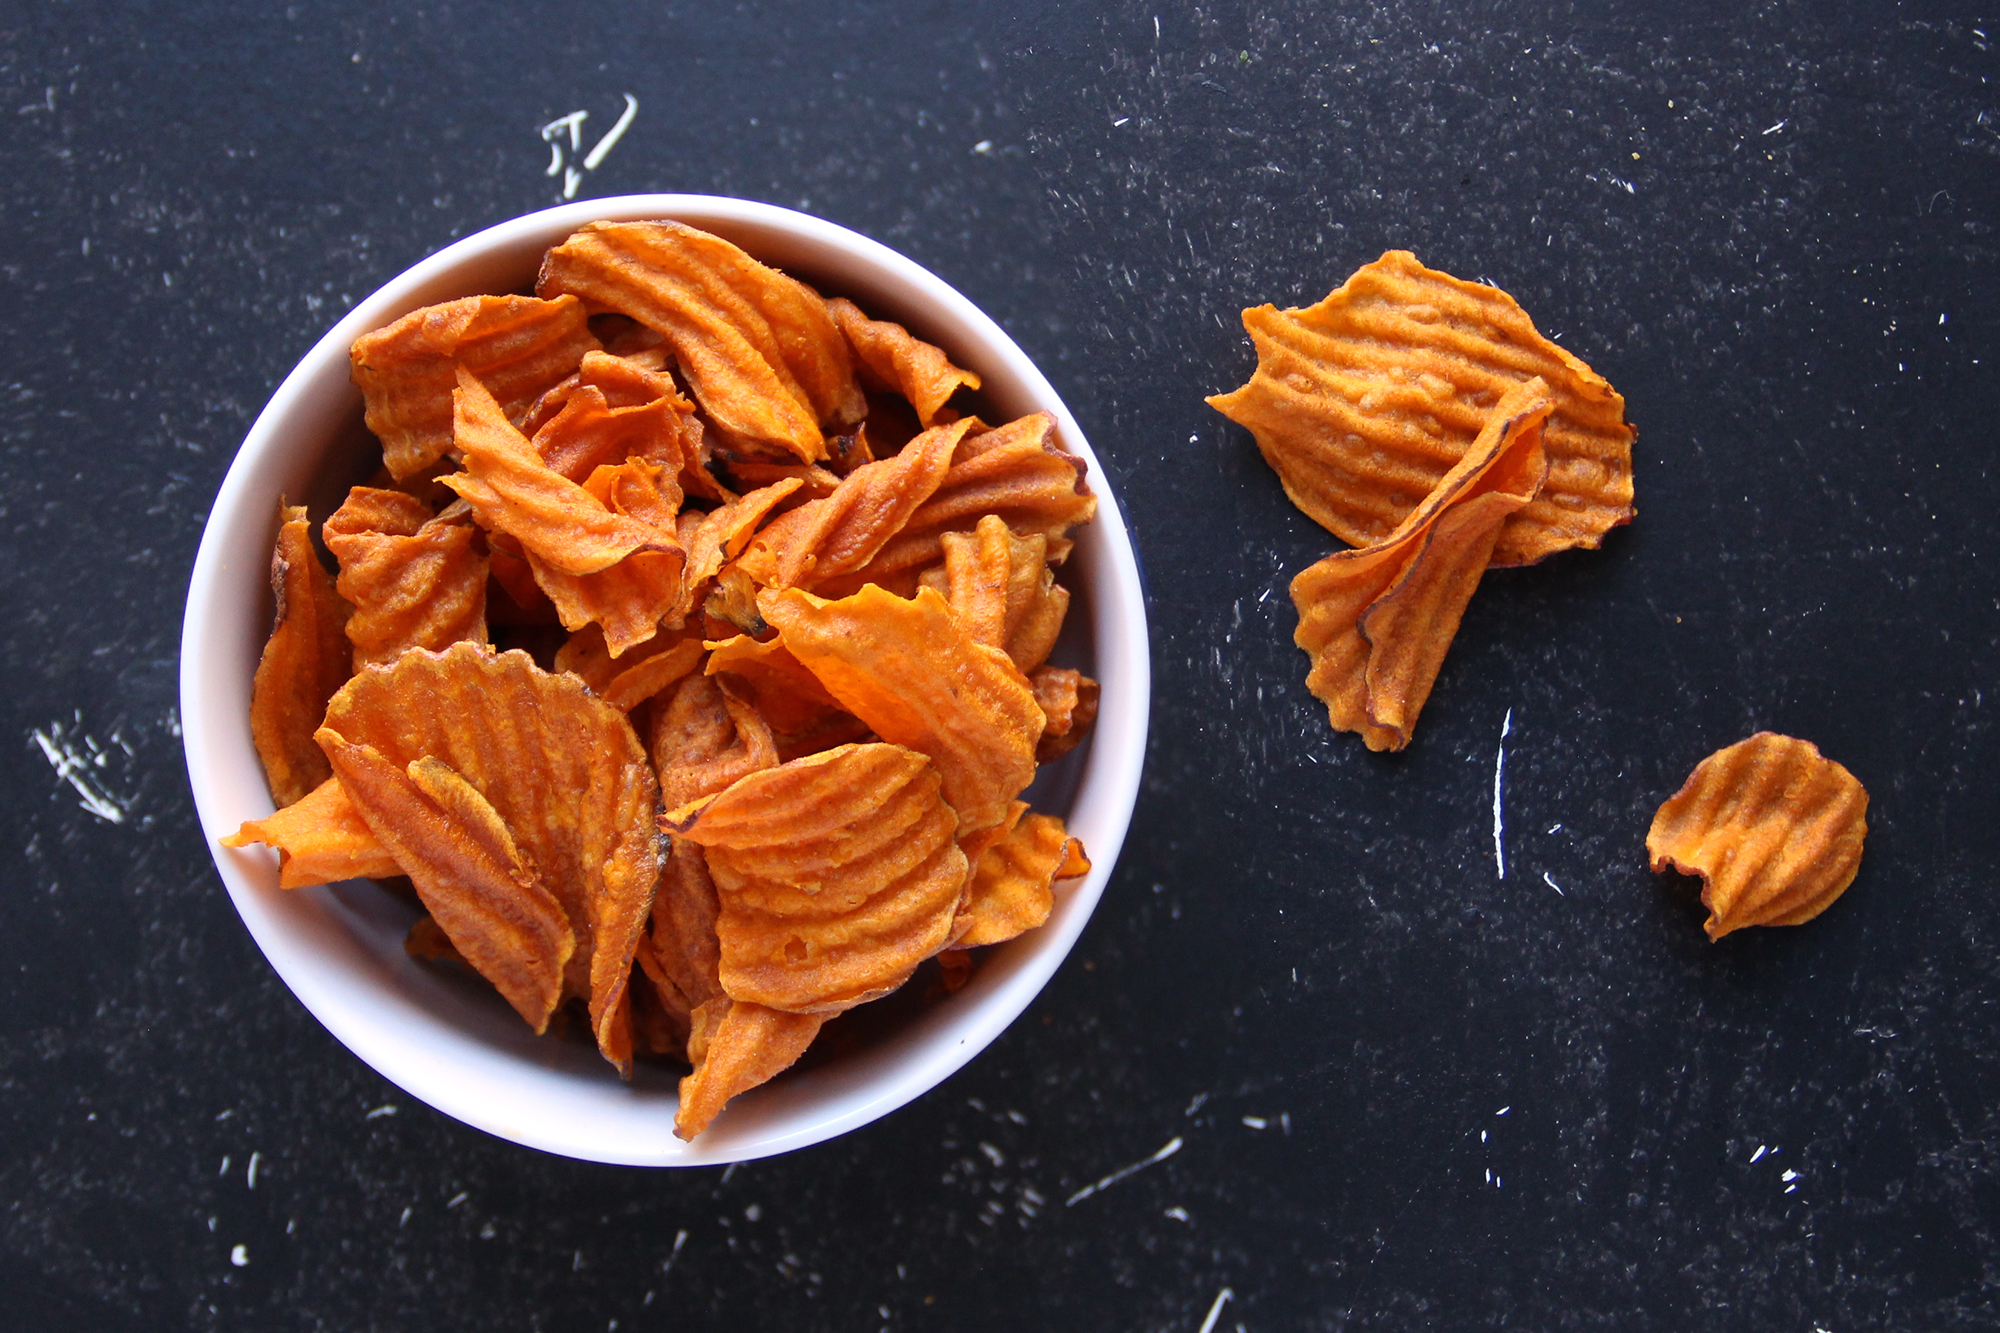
458 1199
223 1170
1255 1121
239 1255
380 1111
1215 1310
1173 1146
71 765
250 1177
1758 1155
404 1219
1552 884
1503 1110
1499 774
1178 1213
680 1239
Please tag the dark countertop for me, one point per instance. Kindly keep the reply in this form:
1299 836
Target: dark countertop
1412 1094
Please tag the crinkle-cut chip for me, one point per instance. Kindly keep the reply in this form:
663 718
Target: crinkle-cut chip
837 874
1068 699
628 681
706 736
1001 590
1013 883
427 940
518 346
589 433
649 675
734 1047
472 875
634 597
633 381
920 372
1377 621
908 671
758 348
719 536
1016 471
749 473
803 717
955 967
842 532
558 522
685 909
1772 826
662 1014
320 838
1363 402
304 661
415 580
563 770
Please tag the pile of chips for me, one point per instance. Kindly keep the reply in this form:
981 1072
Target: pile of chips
688 654
1422 420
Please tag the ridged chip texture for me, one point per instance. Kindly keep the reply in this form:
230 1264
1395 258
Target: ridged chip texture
837 874
1377 621
1068 699
734 1047
303 663
758 348
320 839
706 735
1773 828
1363 402
563 771
518 346
415 581
899 361
1001 590
1013 885
908 671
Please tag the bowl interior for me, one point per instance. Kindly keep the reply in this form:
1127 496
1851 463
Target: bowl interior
448 1039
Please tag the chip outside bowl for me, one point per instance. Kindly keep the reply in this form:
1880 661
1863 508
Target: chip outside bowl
449 1040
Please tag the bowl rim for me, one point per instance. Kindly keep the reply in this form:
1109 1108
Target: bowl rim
292 929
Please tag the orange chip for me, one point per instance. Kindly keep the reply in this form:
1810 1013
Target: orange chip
304 662
1364 402
735 1047
908 671
1068 699
685 909
719 536
563 774
589 433
639 379
705 737
1377 621
416 581
1001 590
662 1014
839 534
749 472
1016 471
517 346
321 839
758 348
1773 827
790 697
1013 883
920 372
427 940
633 597
837 874
628 681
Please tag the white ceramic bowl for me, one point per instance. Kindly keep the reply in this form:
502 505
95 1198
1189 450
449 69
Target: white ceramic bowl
448 1039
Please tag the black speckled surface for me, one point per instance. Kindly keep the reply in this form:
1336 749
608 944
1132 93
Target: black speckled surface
1484 1102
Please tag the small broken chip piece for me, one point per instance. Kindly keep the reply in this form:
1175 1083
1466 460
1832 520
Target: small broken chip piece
1363 402
900 362
1773 828
1377 621
1068 699
837 874
518 346
303 663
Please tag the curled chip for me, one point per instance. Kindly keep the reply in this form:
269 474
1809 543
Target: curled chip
758 348
321 839
590 433
897 361
908 671
824 538
1377 621
415 580
1013 884
1773 828
1001 590
1364 402
1068 699
837 874
564 777
706 737
518 346
304 662
634 597
735 1046
719 536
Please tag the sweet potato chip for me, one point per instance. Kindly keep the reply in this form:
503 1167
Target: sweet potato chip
304 662
517 346
1364 402
735 1047
749 473
839 534
1016 471
1013 883
320 839
1001 590
1377 621
705 737
1773 827
415 580
758 348
628 681
633 597
720 535
836 874
1068 699
562 770
685 910
590 433
908 671
789 696
428 941
920 372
